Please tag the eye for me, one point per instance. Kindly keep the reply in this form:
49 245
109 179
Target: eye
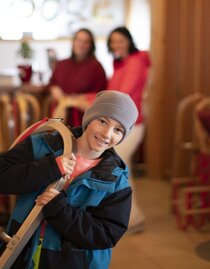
119 130
102 121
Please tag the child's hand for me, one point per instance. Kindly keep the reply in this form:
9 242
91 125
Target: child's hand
46 196
67 162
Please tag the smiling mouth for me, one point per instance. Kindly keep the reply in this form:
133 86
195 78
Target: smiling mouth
101 141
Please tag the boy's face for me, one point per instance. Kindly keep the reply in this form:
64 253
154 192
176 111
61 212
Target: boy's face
103 133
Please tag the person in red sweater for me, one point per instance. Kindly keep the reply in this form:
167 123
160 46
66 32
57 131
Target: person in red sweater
81 74
131 67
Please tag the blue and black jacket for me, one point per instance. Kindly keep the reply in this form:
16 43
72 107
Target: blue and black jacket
84 222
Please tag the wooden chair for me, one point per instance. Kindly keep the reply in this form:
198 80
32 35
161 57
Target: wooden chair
184 150
185 144
66 102
5 122
5 141
191 195
26 110
48 106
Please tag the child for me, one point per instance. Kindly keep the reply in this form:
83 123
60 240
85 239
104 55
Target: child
86 219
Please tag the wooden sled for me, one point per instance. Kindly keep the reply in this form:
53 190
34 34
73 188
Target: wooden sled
17 242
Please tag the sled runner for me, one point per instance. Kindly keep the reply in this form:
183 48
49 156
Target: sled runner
16 243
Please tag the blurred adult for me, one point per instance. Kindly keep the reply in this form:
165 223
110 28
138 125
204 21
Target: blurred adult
80 74
130 73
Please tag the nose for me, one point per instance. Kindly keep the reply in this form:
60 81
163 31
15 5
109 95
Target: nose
107 132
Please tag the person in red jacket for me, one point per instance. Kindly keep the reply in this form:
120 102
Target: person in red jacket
131 67
81 74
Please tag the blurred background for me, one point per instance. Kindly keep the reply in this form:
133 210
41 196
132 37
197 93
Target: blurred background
172 163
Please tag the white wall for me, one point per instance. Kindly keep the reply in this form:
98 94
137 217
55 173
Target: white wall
138 23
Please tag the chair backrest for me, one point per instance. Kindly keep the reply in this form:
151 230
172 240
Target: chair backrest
5 122
185 142
48 106
26 111
66 102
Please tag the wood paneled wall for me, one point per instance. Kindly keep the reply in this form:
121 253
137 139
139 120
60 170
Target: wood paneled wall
180 49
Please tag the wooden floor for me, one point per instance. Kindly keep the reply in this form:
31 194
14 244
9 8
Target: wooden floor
162 245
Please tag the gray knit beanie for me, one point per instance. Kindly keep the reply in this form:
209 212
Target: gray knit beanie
113 104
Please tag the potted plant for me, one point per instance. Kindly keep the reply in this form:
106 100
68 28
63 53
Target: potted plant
25 52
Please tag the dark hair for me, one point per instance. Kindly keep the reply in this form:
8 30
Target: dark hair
92 40
125 32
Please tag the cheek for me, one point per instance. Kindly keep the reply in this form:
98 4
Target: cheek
90 133
117 47
124 47
117 139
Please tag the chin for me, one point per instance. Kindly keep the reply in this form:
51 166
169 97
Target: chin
99 149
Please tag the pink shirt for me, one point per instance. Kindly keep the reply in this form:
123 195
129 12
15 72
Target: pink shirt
81 166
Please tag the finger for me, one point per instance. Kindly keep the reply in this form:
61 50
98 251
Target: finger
42 202
73 157
52 185
69 171
70 164
53 190
48 193
67 162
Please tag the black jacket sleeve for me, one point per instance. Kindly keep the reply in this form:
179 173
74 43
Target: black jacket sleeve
96 228
20 173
